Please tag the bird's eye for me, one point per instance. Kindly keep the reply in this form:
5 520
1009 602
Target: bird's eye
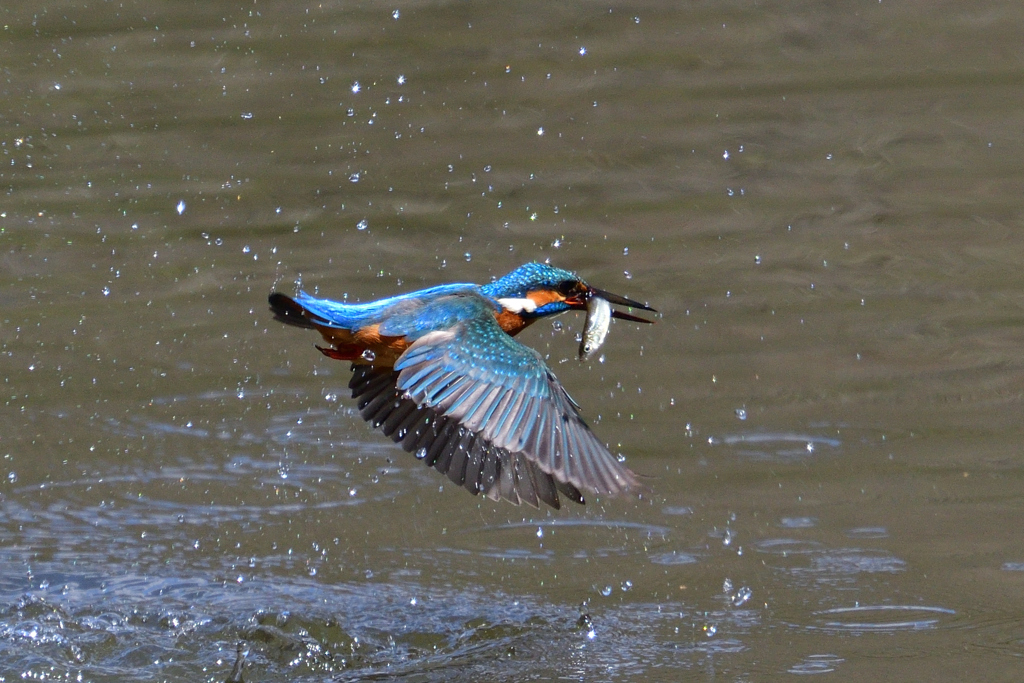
567 287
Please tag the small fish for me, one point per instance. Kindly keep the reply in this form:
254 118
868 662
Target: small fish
599 317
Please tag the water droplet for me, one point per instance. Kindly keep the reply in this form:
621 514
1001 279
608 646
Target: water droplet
583 50
741 413
245 249
556 243
356 87
12 477
369 355
629 275
556 325
540 131
725 155
540 532
396 14
468 256
727 585
727 539
710 630
354 178
401 79
627 585
180 207
625 251
606 591
106 291
741 596
757 259
810 446
421 453
362 225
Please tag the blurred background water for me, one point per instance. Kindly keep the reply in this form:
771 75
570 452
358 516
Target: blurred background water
824 200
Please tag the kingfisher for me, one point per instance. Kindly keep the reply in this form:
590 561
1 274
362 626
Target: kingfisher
439 372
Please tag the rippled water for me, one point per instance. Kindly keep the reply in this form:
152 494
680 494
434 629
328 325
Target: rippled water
822 201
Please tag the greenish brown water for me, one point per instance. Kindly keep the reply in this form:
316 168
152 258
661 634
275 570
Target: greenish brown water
823 200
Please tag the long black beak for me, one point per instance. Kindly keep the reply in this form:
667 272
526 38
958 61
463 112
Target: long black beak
622 301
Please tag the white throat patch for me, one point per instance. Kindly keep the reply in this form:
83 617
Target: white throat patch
518 305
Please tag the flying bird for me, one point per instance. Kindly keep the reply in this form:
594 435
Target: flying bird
439 371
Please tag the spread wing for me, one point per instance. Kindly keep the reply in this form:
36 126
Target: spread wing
440 442
501 393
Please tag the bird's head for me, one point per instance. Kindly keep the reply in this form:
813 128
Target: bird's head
537 290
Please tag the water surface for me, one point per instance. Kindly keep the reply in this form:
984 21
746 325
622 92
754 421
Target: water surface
822 200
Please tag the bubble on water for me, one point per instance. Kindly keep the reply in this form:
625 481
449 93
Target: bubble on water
606 591
757 259
468 256
354 178
12 477
629 275
368 355
741 413
362 225
557 326
710 630
396 14
180 207
625 251
626 586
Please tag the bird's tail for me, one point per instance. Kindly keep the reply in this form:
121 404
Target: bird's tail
288 311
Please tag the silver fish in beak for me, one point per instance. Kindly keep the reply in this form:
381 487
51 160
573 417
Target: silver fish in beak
599 318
